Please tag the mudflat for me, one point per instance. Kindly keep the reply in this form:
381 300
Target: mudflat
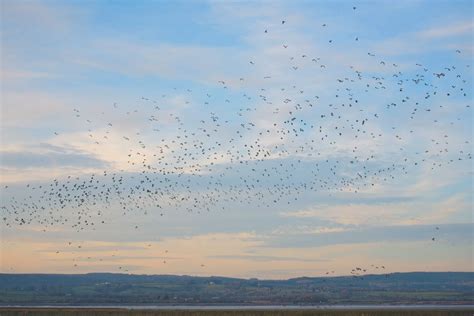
14 311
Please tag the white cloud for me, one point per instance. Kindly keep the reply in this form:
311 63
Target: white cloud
413 212
31 15
31 108
11 75
460 28
431 39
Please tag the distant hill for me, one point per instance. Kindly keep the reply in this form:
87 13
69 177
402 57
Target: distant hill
126 289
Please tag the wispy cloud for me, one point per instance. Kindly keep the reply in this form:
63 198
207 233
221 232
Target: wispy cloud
461 28
48 159
436 38
72 80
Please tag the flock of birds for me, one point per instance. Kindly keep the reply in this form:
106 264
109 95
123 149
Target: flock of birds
259 147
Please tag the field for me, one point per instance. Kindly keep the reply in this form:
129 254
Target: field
316 312
105 289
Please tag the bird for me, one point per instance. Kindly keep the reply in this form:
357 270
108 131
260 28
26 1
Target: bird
264 144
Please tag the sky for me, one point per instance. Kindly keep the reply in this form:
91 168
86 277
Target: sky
324 136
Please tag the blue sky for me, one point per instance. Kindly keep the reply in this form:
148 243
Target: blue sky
76 72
